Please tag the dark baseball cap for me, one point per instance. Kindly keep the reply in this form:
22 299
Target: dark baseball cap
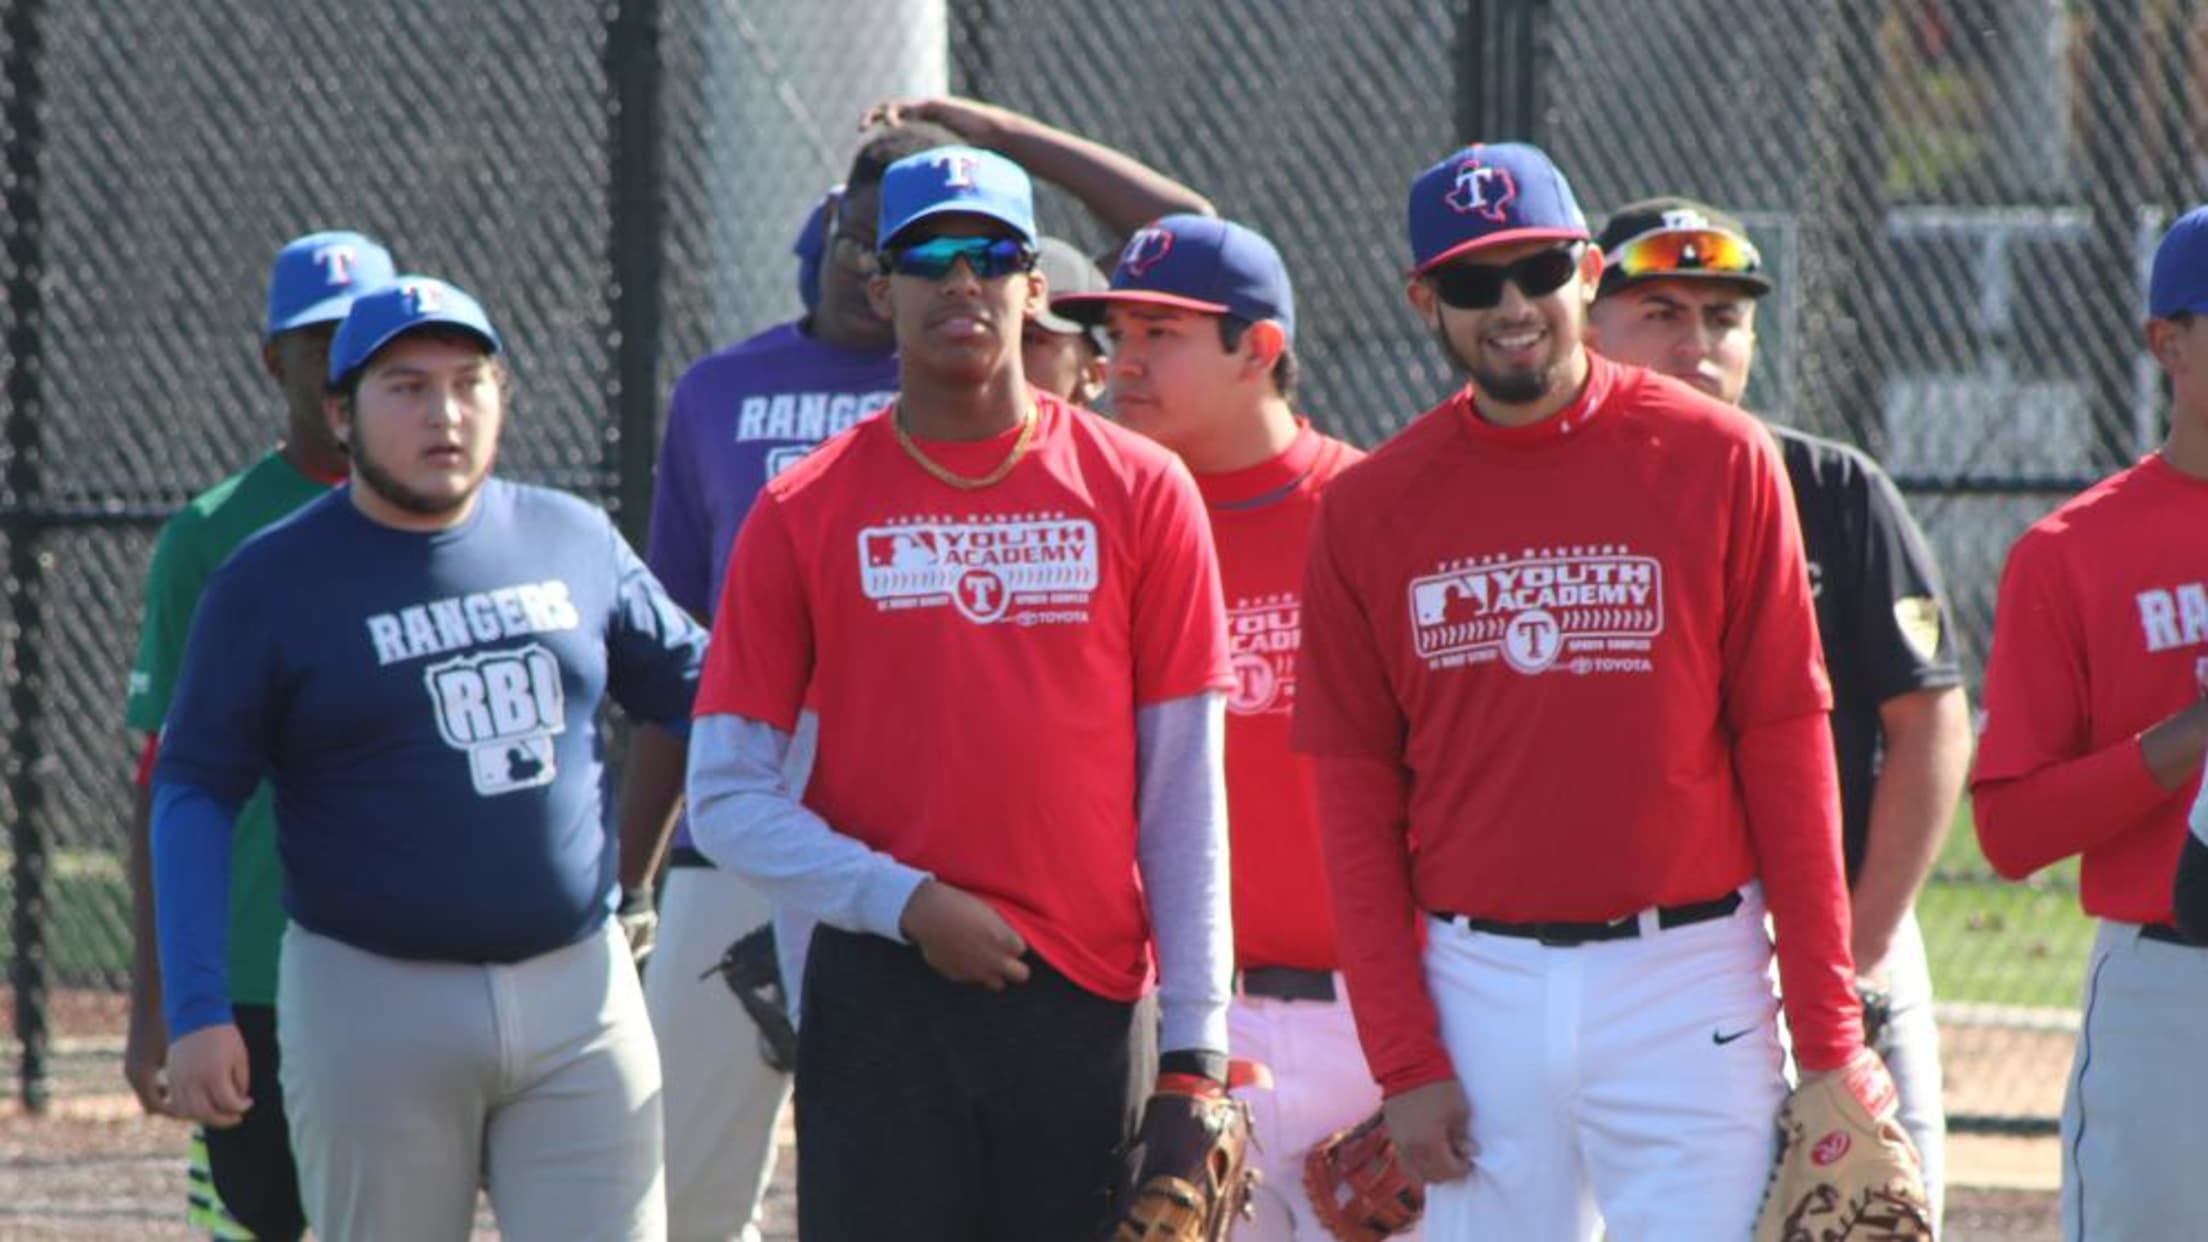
2179 282
1673 238
1066 271
1490 194
1198 263
381 316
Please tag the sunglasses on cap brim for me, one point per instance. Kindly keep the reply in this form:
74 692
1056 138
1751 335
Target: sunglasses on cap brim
1684 252
1479 286
933 259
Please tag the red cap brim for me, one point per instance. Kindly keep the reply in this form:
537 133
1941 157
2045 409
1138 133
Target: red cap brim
1503 238
1090 307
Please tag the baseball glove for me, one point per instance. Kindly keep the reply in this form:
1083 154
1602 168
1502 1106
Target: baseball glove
750 970
1359 1187
1191 1161
1845 1168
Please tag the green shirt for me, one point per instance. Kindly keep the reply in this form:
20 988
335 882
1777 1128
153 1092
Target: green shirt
199 538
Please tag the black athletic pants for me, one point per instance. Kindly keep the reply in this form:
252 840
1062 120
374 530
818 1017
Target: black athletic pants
932 1111
251 1161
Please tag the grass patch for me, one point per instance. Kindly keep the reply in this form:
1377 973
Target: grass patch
1993 941
88 926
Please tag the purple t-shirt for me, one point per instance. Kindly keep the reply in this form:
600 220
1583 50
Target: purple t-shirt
737 418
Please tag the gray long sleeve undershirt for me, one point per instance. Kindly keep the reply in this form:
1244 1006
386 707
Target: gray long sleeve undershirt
745 817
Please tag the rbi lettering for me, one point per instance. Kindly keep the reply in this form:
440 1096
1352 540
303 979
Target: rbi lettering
502 709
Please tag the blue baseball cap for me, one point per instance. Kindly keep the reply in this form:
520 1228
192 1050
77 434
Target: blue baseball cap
967 180
2179 284
316 277
1490 194
811 247
1198 263
381 316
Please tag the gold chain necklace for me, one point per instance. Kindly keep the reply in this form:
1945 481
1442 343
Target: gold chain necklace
1028 420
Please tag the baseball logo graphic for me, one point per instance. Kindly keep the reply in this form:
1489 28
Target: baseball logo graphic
1256 685
1830 1148
1531 640
958 170
502 708
1483 190
981 595
1601 605
988 570
1145 250
337 264
423 299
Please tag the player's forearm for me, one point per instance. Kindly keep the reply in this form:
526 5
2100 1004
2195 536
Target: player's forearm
1791 793
651 793
744 817
1363 820
1124 192
145 953
2062 810
1927 758
1181 851
190 834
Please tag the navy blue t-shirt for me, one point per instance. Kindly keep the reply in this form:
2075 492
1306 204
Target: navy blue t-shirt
425 707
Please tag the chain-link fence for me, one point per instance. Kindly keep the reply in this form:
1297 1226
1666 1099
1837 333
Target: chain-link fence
1957 197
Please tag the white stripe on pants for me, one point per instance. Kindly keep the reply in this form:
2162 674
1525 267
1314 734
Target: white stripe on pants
1599 1085
722 1098
411 1083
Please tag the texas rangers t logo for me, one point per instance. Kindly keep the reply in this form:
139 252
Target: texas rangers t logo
423 298
958 170
501 708
1145 250
1580 610
337 264
1482 189
1263 633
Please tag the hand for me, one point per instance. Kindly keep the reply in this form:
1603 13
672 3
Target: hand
1432 1129
639 922
209 1076
980 124
146 1050
963 937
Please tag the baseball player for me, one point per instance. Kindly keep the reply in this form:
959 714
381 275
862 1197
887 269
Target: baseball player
1202 321
1006 613
1560 671
1064 357
1680 281
2094 730
415 663
244 1183
737 418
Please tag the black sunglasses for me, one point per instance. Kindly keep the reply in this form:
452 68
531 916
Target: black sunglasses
1479 286
933 259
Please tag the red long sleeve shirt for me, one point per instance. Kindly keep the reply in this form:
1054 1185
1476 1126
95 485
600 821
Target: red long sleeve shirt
1573 671
2099 634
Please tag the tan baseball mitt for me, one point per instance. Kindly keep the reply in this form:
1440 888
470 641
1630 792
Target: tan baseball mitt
1845 1170
1193 1175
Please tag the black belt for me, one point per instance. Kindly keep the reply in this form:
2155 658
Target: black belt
2163 933
1288 983
1569 935
687 856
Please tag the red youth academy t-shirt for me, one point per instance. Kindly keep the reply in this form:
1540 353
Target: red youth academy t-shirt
1557 633
977 658
2100 633
1262 520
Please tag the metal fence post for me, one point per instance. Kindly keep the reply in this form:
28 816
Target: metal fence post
636 250
1501 45
26 836
2114 192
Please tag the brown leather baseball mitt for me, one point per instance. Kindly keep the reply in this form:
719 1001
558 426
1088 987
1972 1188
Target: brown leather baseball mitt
1846 1169
1358 1185
1191 1157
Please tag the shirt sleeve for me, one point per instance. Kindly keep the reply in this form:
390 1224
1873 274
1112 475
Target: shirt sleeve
746 818
173 583
220 725
655 652
1777 703
191 834
1180 611
681 524
2038 791
760 660
1345 702
1181 851
1904 634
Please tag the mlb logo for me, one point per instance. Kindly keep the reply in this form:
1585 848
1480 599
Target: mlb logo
523 763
